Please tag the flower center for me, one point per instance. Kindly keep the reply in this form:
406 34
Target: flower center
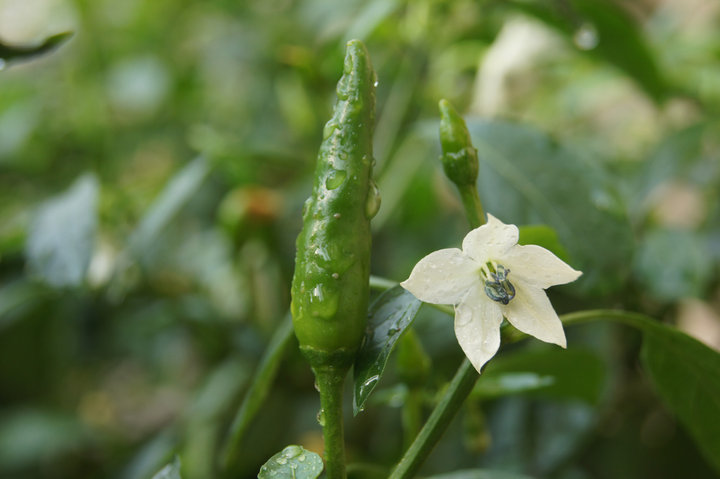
497 286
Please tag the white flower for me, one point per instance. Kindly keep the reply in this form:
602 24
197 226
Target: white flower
490 278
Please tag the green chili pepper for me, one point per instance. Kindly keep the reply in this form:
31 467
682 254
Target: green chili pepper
332 266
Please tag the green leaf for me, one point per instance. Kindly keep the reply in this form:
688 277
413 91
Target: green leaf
174 196
686 374
545 236
28 437
171 471
673 264
619 38
293 462
14 52
258 390
526 177
545 372
61 238
389 316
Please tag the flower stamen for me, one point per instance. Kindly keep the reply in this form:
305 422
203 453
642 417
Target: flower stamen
497 286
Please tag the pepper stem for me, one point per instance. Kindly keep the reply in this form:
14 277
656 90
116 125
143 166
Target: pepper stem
330 382
472 205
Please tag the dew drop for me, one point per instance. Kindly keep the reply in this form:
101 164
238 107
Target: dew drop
370 381
330 126
318 293
301 458
335 178
322 253
586 37
281 460
324 299
306 205
373 201
292 451
321 417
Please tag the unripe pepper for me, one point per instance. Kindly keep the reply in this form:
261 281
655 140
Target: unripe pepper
332 267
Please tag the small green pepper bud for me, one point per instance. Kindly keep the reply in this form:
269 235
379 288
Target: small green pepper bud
332 267
459 158
460 161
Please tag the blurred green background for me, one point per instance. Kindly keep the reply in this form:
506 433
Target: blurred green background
152 174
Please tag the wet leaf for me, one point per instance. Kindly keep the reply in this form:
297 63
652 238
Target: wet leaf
293 462
389 316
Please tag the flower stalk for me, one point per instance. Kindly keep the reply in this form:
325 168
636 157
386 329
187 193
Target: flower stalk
461 166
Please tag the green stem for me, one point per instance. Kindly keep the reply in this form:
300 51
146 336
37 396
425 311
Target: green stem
472 205
459 389
330 382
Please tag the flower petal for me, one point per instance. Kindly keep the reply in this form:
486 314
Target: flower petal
537 266
477 327
443 277
530 311
490 241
